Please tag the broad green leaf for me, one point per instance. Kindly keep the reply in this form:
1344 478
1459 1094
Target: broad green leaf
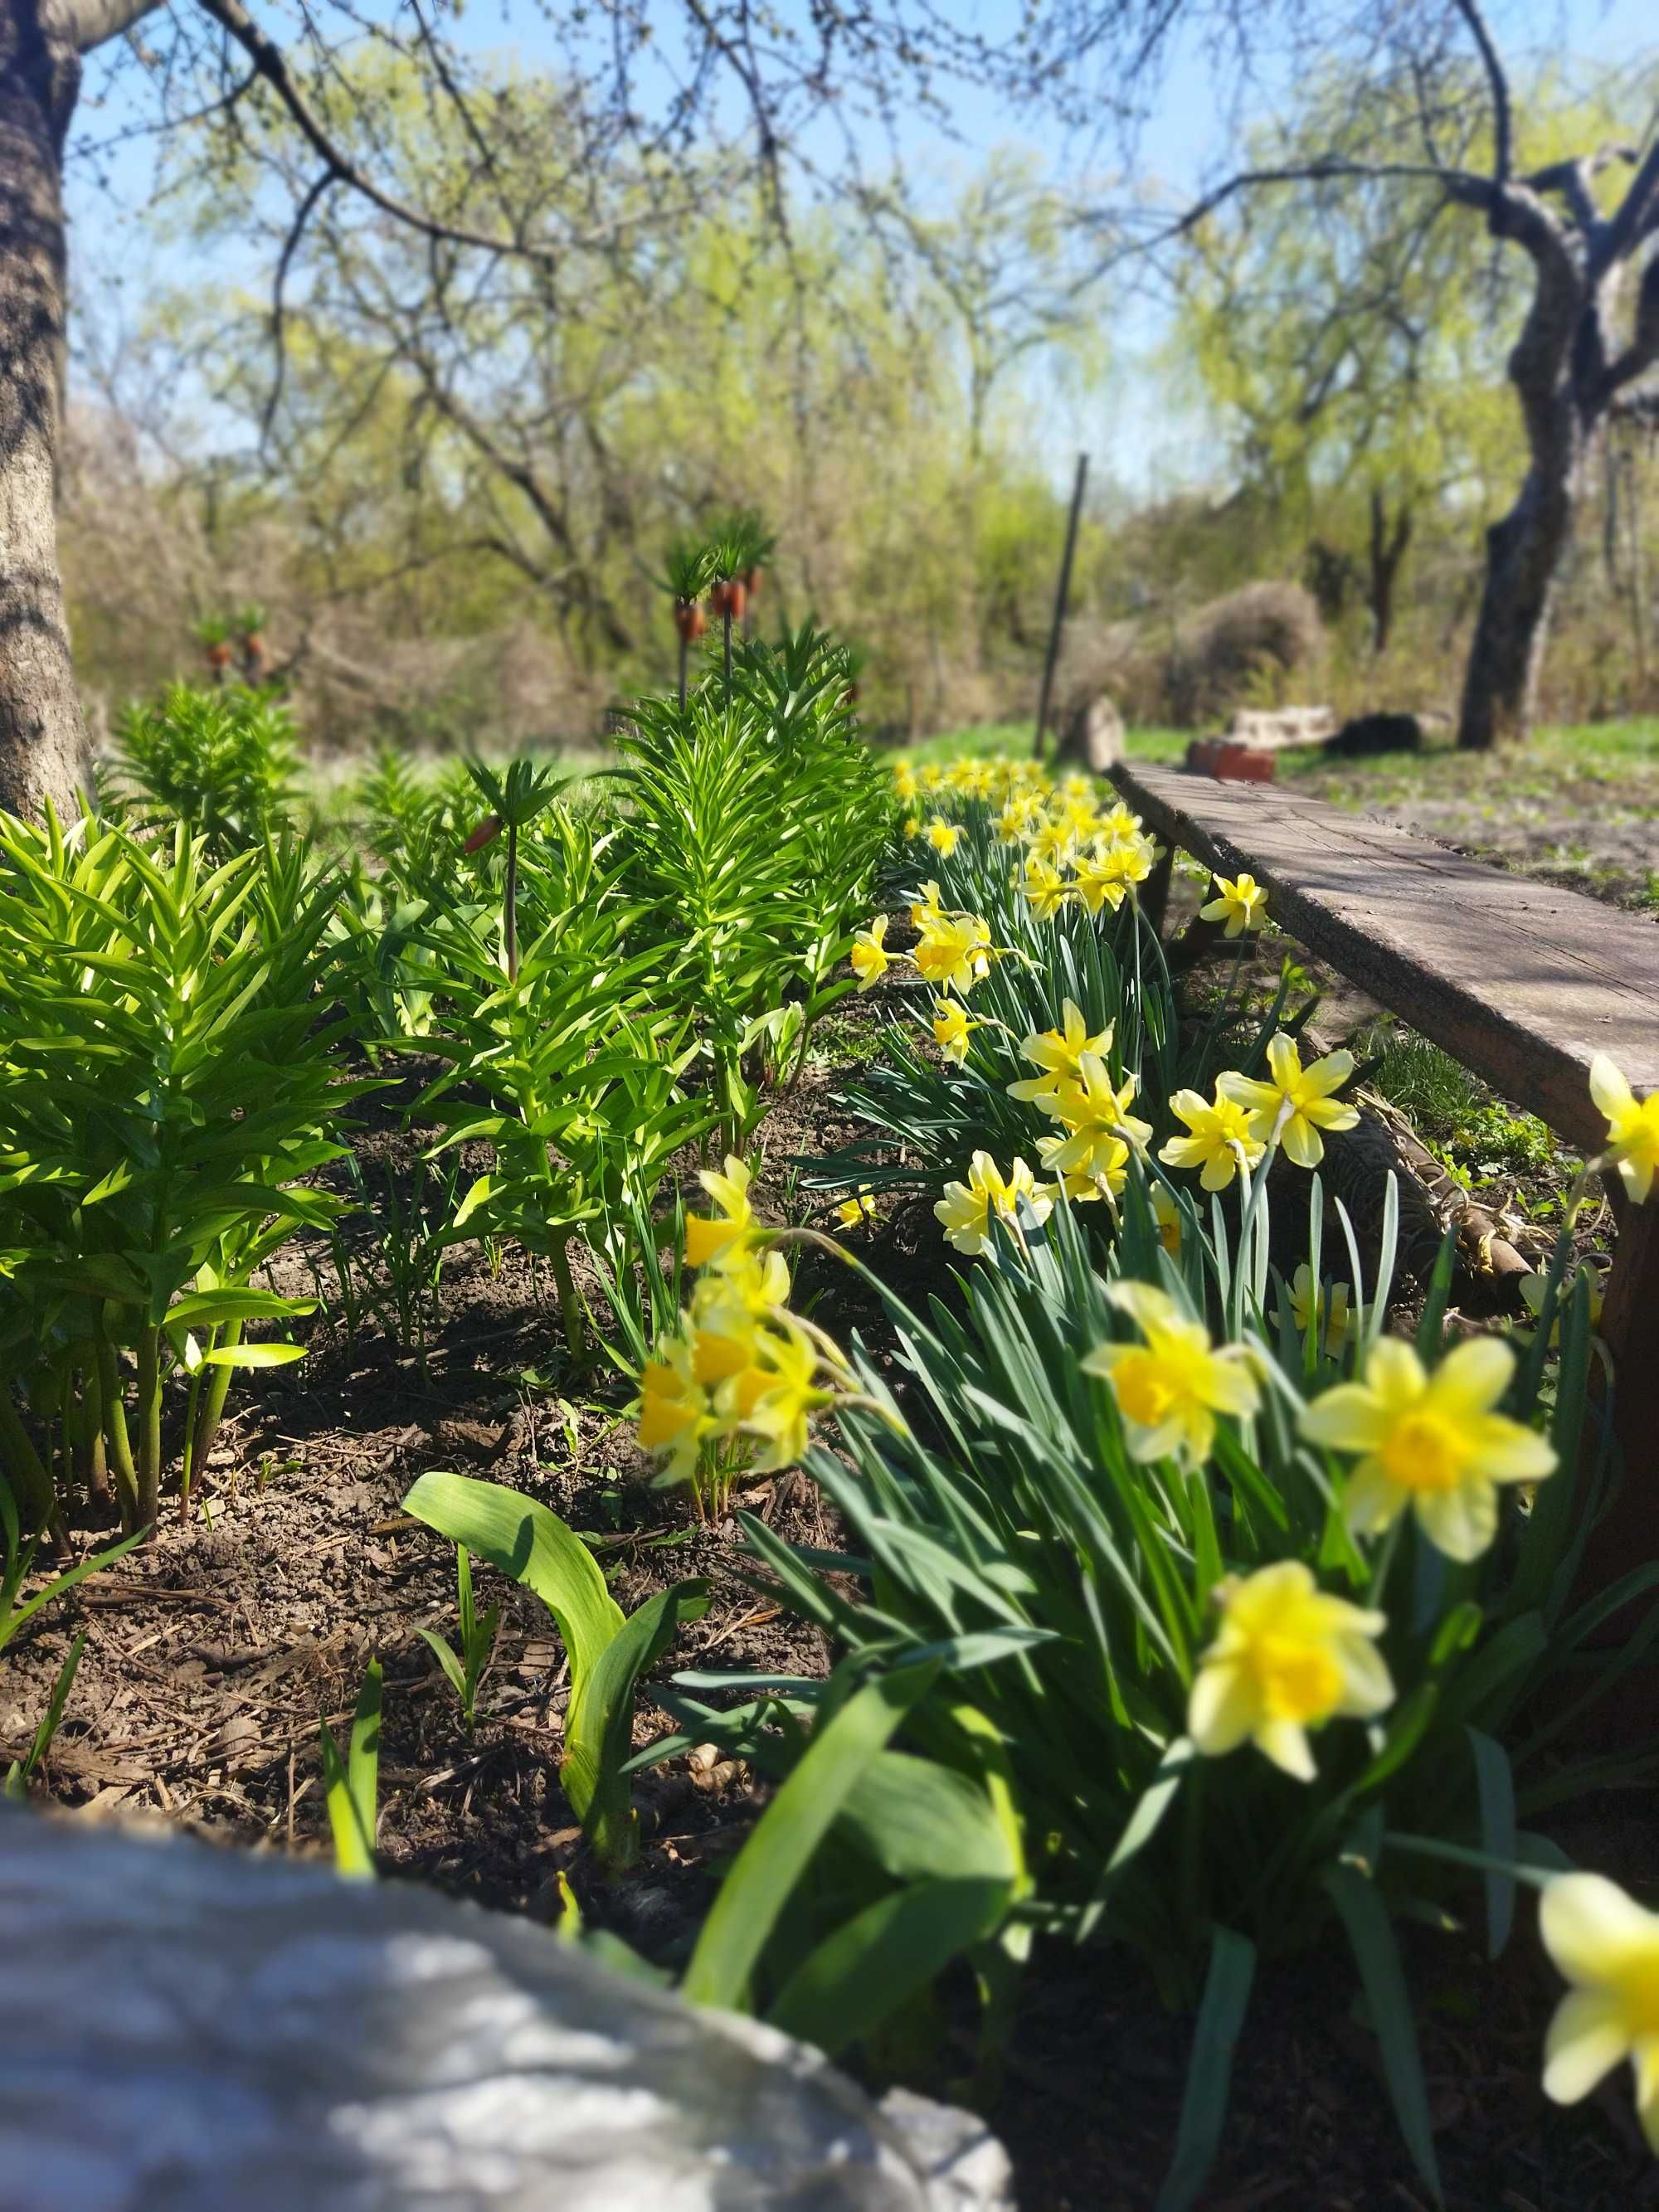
918 1820
761 1879
353 1783
1210 2069
884 1955
1495 1786
600 1720
1365 1918
254 1355
532 1545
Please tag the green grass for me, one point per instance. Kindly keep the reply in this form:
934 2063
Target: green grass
1003 740
1454 1114
1595 752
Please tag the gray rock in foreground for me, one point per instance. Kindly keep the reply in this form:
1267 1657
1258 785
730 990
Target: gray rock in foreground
187 2029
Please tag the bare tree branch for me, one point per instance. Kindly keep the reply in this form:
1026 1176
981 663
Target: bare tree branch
1498 83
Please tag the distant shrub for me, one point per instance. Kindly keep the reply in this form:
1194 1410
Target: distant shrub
1239 651
225 762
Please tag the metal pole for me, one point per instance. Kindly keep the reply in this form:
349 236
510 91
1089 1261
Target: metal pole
1061 595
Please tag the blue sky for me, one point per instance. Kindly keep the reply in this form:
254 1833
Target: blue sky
122 257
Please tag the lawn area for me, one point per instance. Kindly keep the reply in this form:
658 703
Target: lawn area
1013 741
1577 806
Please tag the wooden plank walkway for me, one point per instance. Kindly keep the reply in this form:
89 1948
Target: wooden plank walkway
1521 983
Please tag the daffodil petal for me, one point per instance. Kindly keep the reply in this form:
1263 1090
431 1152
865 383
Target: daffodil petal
1347 1418
1460 1522
1301 1142
1586 2041
1371 1502
1222 1710
1592 1929
1609 1088
1286 1742
1473 1376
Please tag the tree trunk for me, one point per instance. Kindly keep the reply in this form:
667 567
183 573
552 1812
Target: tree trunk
43 740
1389 542
1523 556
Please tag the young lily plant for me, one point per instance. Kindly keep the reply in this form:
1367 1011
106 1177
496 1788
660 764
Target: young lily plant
165 1083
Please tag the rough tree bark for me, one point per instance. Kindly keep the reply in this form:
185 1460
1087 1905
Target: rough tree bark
42 738
1577 364
1386 550
43 741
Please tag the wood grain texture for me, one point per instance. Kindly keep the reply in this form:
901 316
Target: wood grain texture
1520 982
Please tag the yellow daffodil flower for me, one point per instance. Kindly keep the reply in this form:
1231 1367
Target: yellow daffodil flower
1607 1947
924 908
1533 1288
852 1211
1308 1300
1220 1132
912 825
727 1306
870 961
1096 1116
1053 842
1119 825
951 1030
1167 1214
1169 1389
1106 878
1288 1657
1045 886
954 951
1058 1053
1100 883
931 776
965 1210
787 1396
1239 902
706 1239
1296 1100
1632 1126
942 835
1077 786
905 786
674 1410
1431 1443
1013 824
1105 1177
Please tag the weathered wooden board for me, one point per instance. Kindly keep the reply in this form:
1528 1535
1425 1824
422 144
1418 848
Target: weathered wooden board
1521 983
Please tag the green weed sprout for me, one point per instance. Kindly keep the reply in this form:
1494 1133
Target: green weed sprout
464 1670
